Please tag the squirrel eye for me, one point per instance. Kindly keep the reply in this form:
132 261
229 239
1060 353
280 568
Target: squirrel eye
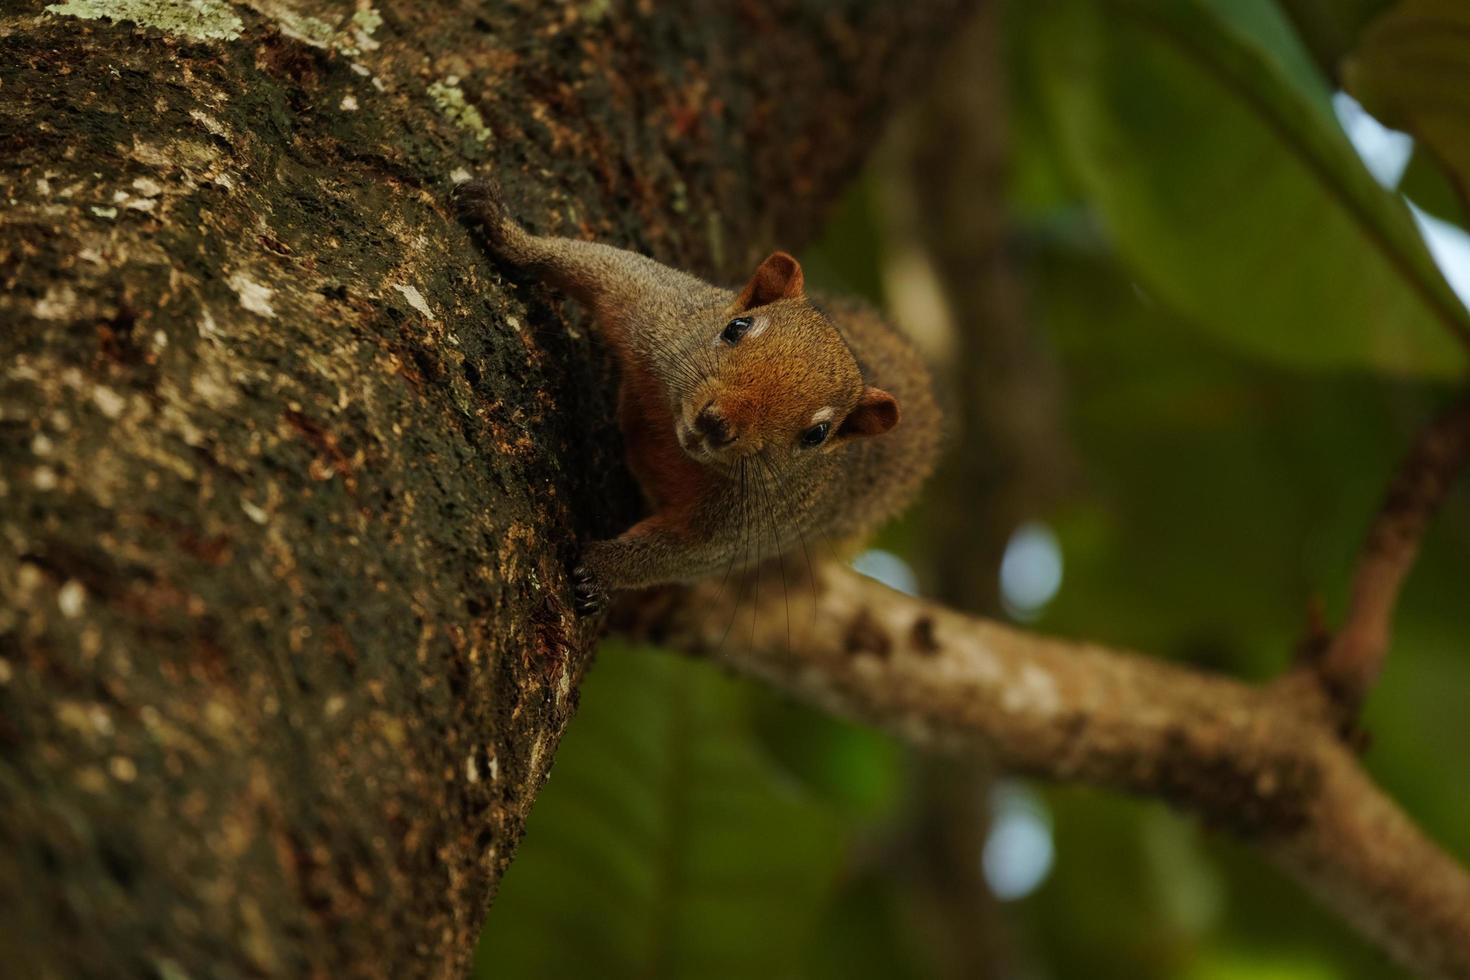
735 329
816 435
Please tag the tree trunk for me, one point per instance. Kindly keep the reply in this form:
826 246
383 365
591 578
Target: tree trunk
290 473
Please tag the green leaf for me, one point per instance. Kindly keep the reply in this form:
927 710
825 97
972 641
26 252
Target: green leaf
1233 194
1194 451
664 844
1428 186
1330 28
1412 71
1262 25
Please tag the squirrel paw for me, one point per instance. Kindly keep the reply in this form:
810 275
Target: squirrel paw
588 596
478 206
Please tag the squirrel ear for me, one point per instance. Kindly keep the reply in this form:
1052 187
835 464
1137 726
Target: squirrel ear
875 414
778 277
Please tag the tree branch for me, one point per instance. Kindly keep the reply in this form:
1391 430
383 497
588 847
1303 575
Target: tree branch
1263 762
1354 657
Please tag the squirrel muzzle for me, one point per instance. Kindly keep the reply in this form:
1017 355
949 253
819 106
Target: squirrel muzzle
712 426
714 436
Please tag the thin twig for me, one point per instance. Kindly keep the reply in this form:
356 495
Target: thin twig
1354 657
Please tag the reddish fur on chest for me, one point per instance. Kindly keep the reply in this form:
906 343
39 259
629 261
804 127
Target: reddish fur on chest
672 481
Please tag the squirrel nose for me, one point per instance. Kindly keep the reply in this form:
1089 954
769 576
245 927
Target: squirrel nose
712 425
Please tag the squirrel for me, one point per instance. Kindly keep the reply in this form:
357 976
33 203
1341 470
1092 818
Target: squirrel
753 420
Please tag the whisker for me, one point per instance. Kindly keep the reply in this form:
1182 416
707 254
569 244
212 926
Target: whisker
756 576
679 365
745 549
799 513
730 565
677 355
766 489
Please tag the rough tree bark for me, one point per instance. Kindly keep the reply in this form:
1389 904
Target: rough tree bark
290 474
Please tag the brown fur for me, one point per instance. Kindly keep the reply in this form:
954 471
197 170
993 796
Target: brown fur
672 482
714 429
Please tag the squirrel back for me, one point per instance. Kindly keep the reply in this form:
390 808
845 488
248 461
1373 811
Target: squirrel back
885 475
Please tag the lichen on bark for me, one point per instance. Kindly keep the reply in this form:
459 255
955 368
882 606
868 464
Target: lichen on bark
202 20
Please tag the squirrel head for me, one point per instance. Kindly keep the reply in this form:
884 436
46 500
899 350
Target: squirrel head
774 378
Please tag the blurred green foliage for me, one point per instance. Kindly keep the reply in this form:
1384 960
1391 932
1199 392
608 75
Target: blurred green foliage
1330 28
1249 331
1412 69
1216 164
673 846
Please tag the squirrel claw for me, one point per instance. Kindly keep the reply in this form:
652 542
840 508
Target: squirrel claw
588 596
477 203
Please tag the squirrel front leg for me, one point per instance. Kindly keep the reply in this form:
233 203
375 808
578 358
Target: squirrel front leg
655 550
612 282
640 307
